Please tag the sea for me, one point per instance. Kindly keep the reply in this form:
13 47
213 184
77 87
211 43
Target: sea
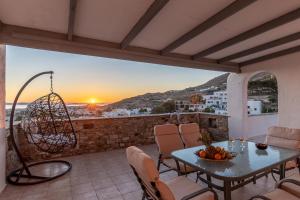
8 106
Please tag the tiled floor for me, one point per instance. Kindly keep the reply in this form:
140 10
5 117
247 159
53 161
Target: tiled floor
107 176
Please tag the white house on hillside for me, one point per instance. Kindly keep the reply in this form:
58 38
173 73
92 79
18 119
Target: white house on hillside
254 107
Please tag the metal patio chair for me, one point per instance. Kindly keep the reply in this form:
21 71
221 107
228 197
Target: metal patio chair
190 134
179 188
287 138
168 139
286 189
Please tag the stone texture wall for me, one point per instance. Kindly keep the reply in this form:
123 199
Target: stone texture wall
105 134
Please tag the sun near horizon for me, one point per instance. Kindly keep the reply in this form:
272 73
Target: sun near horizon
93 100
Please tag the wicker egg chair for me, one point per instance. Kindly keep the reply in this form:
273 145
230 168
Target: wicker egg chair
48 126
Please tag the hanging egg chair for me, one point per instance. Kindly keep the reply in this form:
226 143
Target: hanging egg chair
48 126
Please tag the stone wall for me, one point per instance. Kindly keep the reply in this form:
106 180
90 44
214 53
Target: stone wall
105 134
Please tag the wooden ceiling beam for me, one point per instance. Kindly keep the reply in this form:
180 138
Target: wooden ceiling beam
72 12
230 10
262 47
39 39
293 15
271 56
155 7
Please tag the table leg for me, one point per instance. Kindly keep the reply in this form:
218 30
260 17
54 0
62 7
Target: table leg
227 190
178 168
282 171
208 177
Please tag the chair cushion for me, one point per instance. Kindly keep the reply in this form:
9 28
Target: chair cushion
182 186
291 164
183 168
163 135
131 153
279 194
144 166
292 188
283 137
164 190
190 134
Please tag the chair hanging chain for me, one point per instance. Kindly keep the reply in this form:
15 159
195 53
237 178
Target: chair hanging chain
51 83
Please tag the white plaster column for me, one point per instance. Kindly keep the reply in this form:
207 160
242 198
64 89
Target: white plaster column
2 118
237 104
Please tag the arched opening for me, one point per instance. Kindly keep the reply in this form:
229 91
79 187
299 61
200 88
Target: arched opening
262 94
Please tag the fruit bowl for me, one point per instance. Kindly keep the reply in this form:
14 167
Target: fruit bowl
261 146
215 154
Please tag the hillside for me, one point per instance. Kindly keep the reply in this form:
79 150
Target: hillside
153 99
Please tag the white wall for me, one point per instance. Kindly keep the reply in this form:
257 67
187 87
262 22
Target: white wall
287 72
2 118
259 124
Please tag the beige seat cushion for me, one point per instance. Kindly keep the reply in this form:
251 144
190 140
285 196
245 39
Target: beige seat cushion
183 168
182 186
279 194
144 167
292 188
131 154
167 139
283 137
190 134
291 164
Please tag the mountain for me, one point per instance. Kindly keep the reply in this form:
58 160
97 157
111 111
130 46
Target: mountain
150 100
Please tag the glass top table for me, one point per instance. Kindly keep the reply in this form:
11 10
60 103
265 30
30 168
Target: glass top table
248 163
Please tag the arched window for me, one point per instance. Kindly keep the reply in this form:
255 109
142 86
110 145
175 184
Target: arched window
262 94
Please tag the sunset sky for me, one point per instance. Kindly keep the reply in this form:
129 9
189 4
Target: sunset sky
80 79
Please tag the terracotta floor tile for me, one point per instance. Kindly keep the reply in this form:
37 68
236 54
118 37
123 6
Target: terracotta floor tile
86 196
99 183
128 187
108 193
82 188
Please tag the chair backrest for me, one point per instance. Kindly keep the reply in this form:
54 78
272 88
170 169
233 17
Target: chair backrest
283 137
190 134
147 174
167 139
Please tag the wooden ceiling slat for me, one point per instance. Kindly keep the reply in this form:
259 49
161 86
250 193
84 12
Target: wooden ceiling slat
271 56
262 47
34 38
293 15
210 22
155 7
72 11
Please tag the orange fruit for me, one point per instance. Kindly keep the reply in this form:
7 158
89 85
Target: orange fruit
218 149
223 155
218 156
202 154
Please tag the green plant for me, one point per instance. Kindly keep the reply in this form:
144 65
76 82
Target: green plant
209 110
206 138
166 107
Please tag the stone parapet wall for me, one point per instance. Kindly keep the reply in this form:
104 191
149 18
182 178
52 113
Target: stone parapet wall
103 134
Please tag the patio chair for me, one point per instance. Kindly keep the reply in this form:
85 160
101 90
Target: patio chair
190 134
287 138
290 187
168 139
287 189
179 188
